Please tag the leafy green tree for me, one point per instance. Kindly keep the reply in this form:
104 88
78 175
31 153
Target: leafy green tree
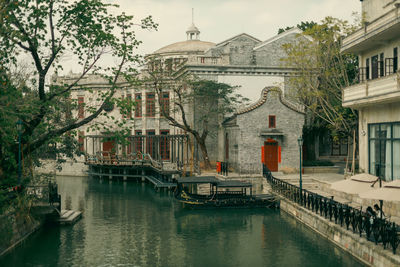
44 32
304 25
208 100
323 73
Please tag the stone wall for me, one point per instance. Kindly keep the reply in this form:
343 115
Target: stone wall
250 138
239 49
364 250
271 53
69 168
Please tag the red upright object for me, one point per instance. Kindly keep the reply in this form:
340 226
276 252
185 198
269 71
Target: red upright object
262 154
218 166
271 154
279 154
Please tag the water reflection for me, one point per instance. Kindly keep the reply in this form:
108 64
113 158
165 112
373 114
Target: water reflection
129 224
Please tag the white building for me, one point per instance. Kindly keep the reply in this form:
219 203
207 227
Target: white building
242 61
377 95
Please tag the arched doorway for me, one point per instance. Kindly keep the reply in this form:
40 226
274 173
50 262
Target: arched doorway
271 154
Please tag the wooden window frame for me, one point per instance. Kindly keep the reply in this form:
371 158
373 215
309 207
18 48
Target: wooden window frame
271 121
150 142
150 105
138 107
81 141
81 107
164 101
129 101
165 149
138 141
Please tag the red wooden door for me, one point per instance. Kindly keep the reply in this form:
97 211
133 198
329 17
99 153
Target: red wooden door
108 146
271 154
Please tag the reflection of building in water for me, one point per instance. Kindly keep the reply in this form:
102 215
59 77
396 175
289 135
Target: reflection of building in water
376 96
241 60
74 189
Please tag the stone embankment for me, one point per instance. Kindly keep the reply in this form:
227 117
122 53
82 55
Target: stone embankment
364 250
15 228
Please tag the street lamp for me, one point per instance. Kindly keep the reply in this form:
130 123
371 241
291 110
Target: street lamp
19 130
300 141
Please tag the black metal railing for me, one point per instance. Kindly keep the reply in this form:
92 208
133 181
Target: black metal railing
373 229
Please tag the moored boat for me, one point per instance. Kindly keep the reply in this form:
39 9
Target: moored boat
222 193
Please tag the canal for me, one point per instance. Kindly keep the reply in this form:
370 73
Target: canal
129 224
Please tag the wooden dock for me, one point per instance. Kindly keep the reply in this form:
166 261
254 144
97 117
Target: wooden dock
69 217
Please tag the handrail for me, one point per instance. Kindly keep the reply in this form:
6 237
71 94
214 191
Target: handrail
372 228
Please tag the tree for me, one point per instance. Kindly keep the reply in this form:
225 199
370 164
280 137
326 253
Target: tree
323 73
304 25
197 105
45 32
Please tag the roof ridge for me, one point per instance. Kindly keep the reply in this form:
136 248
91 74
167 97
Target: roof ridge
293 106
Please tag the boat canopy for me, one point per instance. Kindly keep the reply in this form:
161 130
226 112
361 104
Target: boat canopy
198 180
212 180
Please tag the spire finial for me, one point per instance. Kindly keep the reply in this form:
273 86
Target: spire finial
193 32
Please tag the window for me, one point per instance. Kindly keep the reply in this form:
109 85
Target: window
164 145
381 65
138 141
202 60
150 105
164 104
367 68
271 121
384 150
395 60
81 141
138 108
81 107
129 100
68 113
150 140
374 67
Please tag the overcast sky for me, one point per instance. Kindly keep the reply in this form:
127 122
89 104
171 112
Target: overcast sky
219 20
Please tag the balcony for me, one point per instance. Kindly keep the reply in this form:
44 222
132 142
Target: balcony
203 60
376 32
385 89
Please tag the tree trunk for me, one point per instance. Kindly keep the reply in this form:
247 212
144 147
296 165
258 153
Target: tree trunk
204 152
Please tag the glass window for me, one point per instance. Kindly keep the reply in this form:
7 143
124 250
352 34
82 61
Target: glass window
138 107
396 159
150 105
384 150
396 130
373 156
373 131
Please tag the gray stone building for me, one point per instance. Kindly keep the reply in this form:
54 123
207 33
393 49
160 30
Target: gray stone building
273 123
242 61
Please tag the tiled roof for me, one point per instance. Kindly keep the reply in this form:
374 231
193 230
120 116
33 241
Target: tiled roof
295 107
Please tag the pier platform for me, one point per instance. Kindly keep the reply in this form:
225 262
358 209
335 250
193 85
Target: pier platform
69 217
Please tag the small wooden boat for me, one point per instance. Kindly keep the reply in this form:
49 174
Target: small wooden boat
222 193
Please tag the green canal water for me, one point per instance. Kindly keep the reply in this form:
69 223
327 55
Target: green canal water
129 224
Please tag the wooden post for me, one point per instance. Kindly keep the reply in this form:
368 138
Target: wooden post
353 165
348 154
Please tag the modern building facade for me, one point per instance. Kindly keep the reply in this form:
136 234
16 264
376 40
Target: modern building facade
376 96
